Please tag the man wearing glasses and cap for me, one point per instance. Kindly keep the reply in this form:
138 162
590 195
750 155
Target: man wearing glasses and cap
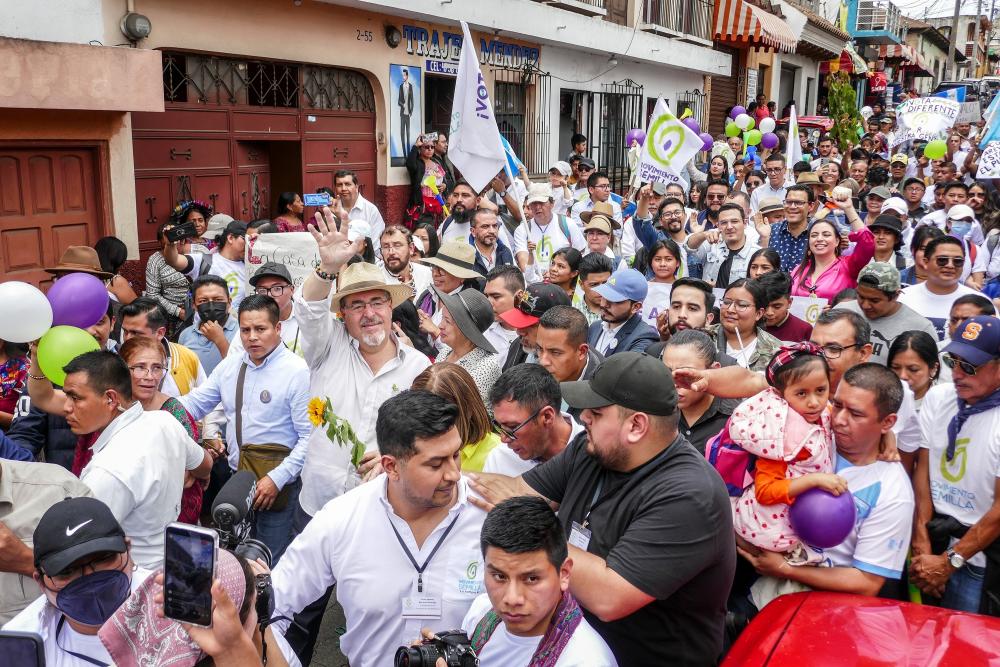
543 234
273 280
648 519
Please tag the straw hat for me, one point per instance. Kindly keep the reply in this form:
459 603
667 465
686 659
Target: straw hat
456 257
601 208
472 313
80 259
362 277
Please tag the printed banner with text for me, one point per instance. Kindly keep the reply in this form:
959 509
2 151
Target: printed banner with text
668 147
925 118
296 250
989 161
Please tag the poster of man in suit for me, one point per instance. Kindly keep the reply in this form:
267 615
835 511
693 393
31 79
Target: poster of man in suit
405 119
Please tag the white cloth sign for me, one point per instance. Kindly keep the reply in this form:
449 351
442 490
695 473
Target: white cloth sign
969 112
793 148
924 118
476 148
989 161
296 250
807 308
657 300
668 147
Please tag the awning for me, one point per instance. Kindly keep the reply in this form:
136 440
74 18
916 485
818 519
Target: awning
909 55
849 61
748 25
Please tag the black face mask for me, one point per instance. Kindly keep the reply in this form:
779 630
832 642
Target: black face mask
213 311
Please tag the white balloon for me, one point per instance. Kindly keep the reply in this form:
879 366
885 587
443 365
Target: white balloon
27 314
743 121
766 125
866 112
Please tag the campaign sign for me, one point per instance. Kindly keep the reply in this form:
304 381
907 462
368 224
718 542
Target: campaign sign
669 145
989 161
296 250
807 308
925 118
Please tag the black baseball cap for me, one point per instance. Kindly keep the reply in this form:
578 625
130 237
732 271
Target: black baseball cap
271 269
532 302
587 163
911 180
73 529
890 222
630 379
236 228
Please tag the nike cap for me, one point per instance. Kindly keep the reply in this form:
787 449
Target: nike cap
73 529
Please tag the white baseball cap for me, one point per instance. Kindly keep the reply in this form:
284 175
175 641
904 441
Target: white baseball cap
960 211
562 167
894 204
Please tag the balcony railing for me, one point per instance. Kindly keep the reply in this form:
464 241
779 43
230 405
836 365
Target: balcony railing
880 16
684 17
585 7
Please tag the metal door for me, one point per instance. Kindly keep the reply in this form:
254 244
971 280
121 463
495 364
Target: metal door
621 109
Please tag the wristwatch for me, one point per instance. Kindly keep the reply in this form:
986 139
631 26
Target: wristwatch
956 559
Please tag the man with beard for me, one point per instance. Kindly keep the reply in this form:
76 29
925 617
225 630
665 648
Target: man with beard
621 328
669 223
396 243
789 237
529 306
715 196
491 252
458 224
725 251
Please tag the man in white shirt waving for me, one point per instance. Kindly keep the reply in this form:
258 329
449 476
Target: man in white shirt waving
527 610
404 548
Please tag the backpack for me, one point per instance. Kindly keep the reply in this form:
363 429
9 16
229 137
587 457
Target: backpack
733 463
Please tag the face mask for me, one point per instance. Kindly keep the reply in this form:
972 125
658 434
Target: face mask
94 598
213 311
960 229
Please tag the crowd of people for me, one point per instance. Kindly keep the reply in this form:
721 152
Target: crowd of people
417 405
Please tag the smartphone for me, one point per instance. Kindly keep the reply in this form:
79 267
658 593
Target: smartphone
189 560
318 199
24 649
180 232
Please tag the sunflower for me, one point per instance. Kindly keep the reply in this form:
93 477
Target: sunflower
317 408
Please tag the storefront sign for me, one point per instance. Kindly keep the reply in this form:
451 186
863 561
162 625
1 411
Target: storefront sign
445 47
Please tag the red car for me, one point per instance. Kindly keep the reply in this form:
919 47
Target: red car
834 629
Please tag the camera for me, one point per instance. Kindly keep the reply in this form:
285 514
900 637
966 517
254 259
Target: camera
180 232
454 646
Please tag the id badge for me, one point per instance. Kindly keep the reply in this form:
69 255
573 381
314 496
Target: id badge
579 536
421 605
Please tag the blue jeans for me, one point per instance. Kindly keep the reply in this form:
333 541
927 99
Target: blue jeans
964 589
275 528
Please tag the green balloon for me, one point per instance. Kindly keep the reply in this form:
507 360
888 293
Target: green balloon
936 149
754 137
61 345
732 130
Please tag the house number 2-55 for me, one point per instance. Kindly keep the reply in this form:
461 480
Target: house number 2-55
364 35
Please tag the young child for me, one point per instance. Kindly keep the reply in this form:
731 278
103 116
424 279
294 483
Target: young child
787 427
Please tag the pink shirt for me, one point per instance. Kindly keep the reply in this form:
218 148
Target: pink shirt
841 274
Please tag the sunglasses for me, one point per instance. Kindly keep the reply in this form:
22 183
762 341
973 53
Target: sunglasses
957 262
511 433
951 361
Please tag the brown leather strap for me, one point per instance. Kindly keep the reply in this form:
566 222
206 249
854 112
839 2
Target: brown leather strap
239 405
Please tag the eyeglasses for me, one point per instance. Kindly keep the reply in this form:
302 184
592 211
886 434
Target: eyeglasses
603 186
672 214
773 170
951 361
155 371
741 306
715 197
63 579
957 262
833 351
273 290
795 203
359 306
511 433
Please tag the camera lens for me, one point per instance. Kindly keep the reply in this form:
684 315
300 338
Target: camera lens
406 657
252 550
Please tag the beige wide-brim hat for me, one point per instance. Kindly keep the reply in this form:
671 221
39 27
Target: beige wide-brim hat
456 257
80 259
600 208
364 277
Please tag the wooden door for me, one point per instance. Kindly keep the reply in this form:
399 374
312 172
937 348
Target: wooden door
337 140
50 198
253 180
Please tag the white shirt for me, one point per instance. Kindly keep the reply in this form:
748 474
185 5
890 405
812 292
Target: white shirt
964 487
504 461
138 472
939 219
42 619
765 191
367 211
275 406
501 339
169 385
289 336
607 338
935 307
338 371
585 647
461 230
420 273
351 543
233 272
585 203
548 238
713 255
656 301
741 355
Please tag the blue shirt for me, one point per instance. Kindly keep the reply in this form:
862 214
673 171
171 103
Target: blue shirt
275 406
791 249
206 350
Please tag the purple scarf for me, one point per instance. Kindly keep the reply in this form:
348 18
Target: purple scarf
964 412
564 621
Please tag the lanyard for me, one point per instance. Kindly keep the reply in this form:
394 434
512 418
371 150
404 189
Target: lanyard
79 656
593 499
406 550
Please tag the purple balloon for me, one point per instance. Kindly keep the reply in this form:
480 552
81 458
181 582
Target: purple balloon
769 140
693 124
822 519
737 110
78 300
635 135
707 141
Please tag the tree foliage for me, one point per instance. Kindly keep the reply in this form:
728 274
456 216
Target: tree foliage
843 103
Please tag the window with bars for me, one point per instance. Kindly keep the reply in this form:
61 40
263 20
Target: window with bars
521 105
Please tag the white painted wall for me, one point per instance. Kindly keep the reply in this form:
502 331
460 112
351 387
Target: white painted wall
805 68
76 21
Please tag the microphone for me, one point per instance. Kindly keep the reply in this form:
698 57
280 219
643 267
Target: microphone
235 499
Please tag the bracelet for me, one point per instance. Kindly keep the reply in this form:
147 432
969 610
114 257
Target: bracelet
323 275
36 377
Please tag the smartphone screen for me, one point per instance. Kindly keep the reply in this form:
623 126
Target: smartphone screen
22 649
318 199
188 571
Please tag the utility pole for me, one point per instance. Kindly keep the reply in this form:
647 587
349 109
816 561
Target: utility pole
952 62
974 73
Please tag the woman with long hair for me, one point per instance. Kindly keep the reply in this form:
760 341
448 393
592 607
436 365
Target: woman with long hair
696 195
765 260
289 208
831 175
197 213
429 242
824 272
913 356
718 168
168 286
452 382
740 332
113 253
564 269
917 273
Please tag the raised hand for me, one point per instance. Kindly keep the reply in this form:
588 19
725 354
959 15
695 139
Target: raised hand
334 248
694 225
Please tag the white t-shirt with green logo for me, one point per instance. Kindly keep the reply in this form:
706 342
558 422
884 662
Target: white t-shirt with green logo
234 273
963 487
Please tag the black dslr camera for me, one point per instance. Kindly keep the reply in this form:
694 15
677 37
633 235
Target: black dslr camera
454 646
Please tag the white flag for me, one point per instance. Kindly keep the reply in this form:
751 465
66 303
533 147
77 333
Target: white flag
475 146
668 147
793 149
